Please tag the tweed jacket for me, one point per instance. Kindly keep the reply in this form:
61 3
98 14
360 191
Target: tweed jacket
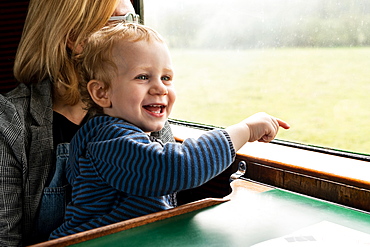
26 157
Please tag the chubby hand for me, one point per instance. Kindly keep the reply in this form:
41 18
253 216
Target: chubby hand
258 127
263 127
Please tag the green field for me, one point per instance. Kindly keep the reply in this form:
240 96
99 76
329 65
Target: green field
322 92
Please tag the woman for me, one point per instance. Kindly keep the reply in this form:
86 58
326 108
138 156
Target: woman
40 116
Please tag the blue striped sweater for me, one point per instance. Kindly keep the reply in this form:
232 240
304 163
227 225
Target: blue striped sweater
118 172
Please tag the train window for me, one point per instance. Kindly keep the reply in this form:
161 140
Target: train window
305 61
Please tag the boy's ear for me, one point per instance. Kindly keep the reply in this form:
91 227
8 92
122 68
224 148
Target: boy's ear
99 93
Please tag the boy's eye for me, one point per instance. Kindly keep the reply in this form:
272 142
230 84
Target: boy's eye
142 77
166 78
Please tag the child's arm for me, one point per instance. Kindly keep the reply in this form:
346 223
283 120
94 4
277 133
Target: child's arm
131 163
258 127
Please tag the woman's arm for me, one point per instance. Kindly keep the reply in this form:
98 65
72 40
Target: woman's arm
11 198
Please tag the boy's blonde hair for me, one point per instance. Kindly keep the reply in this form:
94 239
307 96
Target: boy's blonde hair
50 25
96 61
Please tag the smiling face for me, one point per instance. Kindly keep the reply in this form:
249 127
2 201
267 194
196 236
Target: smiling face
142 93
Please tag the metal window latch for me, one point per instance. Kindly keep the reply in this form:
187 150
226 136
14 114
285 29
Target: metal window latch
242 168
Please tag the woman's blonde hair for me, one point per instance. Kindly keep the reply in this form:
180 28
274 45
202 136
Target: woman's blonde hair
96 62
50 26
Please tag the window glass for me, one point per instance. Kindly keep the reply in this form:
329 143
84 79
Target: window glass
304 61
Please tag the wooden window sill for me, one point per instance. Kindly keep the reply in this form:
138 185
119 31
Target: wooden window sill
338 179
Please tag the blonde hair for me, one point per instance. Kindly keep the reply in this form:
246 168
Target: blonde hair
43 50
96 61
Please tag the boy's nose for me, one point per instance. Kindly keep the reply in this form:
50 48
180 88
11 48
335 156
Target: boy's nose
158 88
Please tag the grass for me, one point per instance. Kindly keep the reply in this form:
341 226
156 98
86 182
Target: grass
322 92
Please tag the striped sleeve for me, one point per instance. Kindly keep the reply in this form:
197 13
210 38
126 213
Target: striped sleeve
133 164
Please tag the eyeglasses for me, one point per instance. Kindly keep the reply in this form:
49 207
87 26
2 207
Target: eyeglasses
129 17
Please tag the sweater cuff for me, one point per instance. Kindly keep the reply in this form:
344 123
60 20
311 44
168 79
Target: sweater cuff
232 149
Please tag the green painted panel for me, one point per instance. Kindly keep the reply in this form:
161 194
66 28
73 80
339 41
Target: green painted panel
247 220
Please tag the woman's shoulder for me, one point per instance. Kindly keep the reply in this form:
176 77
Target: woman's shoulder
24 101
20 93
25 92
14 103
13 115
19 96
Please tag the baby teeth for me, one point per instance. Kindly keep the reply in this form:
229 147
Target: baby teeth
156 106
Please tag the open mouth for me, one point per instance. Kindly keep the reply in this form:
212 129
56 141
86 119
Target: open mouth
157 109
